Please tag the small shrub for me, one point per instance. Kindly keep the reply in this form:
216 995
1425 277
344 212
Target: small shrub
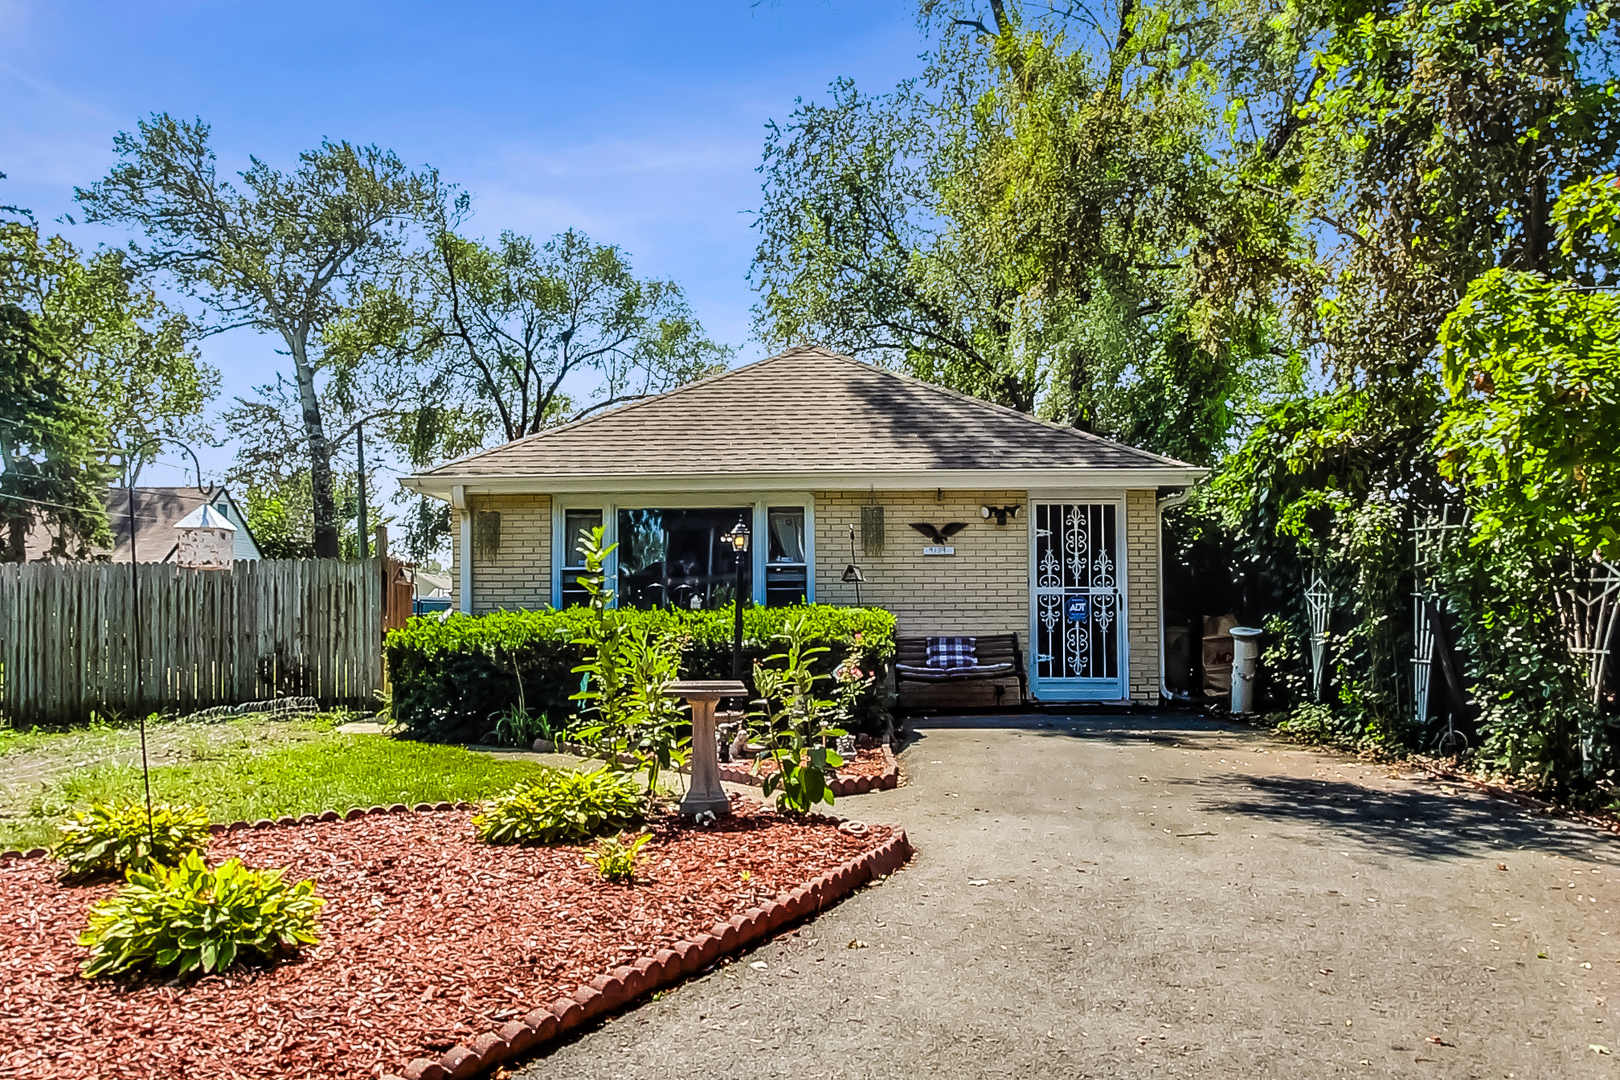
188 918
615 860
109 839
560 806
516 727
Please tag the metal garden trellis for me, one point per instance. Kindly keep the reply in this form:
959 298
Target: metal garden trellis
1432 533
1588 611
1319 606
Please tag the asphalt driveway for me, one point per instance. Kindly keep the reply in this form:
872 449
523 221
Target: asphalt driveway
1124 897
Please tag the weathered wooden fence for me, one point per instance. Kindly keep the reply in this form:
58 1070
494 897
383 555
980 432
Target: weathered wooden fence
69 635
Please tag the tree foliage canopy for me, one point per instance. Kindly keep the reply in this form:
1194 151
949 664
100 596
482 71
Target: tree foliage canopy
286 253
95 368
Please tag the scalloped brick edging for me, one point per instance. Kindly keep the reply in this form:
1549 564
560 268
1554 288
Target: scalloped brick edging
623 985
840 785
354 813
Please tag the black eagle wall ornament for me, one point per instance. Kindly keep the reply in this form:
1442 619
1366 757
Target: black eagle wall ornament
941 535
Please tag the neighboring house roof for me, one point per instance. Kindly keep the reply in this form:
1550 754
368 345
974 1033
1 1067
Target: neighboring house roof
158 510
429 584
808 417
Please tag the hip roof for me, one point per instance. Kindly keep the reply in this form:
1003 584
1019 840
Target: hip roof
810 413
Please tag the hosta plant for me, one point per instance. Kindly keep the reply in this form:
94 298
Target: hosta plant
109 839
188 919
561 806
615 859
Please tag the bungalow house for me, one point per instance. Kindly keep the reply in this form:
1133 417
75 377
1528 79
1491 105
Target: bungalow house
960 516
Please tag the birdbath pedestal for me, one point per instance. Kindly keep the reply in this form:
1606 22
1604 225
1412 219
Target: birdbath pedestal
705 795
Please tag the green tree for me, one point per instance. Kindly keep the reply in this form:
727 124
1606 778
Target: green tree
1039 220
52 469
284 253
497 342
509 334
117 349
1427 150
1532 367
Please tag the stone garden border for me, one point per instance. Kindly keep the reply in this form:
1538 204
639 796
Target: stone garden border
625 984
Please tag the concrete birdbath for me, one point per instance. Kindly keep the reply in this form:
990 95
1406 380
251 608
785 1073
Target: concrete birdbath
704 794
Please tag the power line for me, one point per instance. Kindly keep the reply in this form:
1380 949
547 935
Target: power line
42 502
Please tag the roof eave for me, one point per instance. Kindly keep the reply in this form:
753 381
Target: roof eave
440 485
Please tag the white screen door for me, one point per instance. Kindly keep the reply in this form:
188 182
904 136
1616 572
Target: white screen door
1077 601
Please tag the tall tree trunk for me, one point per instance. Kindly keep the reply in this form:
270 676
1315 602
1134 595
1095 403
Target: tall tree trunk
320 454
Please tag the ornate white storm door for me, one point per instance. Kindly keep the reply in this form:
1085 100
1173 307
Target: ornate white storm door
1077 601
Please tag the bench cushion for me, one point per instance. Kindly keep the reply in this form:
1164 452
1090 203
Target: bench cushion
937 674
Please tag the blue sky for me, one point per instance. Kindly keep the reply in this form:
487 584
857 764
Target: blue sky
640 123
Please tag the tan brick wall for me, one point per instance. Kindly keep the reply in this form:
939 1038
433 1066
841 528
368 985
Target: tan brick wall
519 576
1142 554
983 588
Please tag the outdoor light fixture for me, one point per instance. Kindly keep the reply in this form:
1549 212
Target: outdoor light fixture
1000 513
737 538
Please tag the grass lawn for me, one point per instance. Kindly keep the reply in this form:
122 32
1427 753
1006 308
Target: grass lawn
242 770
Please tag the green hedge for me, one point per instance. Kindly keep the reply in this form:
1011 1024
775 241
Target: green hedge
451 676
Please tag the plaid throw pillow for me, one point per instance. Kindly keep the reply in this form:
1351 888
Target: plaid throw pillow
952 652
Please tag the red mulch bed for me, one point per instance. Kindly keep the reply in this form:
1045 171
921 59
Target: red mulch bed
868 761
429 938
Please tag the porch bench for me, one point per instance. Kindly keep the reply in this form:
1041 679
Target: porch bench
999 658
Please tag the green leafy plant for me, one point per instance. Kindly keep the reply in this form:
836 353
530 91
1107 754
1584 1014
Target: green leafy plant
627 666
110 838
187 919
615 859
449 677
516 726
560 806
792 722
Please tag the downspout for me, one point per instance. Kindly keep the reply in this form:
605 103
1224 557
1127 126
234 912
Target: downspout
1169 502
458 499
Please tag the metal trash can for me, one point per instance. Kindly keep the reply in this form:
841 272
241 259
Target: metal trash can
1245 658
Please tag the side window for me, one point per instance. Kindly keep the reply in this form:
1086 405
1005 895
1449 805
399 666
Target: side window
786 572
577 526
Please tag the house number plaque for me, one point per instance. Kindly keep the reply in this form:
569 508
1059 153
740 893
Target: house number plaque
939 551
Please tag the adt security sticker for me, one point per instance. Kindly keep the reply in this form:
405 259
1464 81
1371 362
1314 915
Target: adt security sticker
1077 608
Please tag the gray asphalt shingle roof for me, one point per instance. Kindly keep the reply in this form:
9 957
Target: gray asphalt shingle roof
807 409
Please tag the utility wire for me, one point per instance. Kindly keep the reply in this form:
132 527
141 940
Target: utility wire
41 502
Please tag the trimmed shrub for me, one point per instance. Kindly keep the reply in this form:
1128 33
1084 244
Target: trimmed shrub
109 839
559 807
452 677
187 919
